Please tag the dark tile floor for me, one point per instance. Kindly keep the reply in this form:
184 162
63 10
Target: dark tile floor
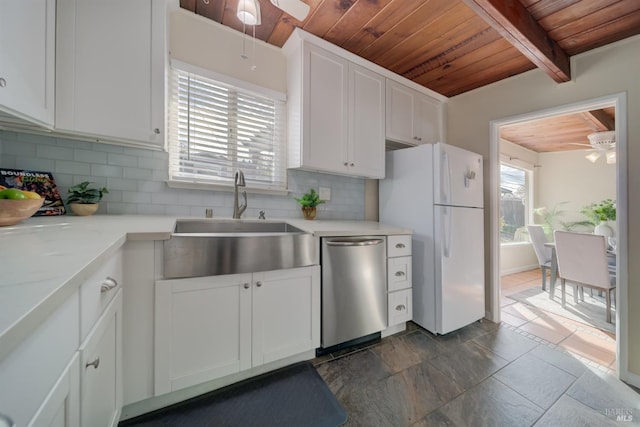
482 375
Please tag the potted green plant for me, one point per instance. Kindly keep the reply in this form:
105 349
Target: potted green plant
599 213
309 202
83 200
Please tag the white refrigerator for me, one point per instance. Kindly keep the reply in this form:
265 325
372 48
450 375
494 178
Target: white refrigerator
436 190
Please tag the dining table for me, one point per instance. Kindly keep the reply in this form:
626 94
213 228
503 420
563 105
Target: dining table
611 258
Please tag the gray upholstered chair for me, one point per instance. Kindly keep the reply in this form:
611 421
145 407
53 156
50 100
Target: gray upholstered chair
582 259
538 239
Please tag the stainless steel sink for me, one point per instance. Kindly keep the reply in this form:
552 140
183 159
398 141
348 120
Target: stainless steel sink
232 227
214 247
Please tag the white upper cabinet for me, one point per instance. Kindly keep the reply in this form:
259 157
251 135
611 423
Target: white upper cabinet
27 60
111 69
335 113
412 117
324 111
366 122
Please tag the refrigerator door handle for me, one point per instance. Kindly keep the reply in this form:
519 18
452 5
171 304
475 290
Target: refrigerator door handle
445 173
446 231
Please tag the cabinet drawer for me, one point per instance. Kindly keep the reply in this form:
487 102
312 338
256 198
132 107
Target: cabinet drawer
97 291
398 273
399 245
400 307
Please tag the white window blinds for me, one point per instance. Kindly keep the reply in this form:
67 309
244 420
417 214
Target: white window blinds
215 129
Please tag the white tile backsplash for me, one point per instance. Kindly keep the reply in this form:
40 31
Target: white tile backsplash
136 179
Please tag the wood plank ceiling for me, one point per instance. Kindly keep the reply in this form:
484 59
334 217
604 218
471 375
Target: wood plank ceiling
560 133
450 46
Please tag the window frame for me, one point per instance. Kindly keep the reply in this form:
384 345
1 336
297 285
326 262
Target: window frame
529 177
242 87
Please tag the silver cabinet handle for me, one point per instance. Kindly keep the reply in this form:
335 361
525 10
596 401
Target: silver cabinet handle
400 307
366 242
258 284
246 286
95 363
400 245
346 163
399 273
352 164
156 131
3 82
108 284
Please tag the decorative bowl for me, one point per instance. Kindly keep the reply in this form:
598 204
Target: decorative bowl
14 211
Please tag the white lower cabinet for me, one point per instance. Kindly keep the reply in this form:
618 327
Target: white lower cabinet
101 369
61 406
399 279
211 327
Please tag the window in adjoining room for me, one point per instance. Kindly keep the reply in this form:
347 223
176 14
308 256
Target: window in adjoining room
515 202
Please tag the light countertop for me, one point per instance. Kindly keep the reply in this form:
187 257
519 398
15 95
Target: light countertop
45 259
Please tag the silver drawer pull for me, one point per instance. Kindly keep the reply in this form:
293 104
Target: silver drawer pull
108 284
400 245
400 307
95 363
258 284
399 273
246 286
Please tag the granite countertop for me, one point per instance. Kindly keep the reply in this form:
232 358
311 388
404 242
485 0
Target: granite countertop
45 259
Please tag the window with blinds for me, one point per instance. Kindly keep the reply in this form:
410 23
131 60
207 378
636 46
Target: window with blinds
216 129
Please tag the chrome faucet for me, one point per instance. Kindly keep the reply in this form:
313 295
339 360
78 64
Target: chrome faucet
239 182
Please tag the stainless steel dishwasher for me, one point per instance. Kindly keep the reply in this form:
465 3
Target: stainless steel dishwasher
354 290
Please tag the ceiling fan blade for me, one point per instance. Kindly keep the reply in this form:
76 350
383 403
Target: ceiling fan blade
582 145
295 8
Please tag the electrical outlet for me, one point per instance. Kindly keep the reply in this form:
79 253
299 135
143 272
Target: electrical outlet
324 193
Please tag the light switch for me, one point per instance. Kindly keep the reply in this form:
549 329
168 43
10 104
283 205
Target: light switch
324 193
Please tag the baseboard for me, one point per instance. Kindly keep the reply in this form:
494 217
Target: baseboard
394 329
518 269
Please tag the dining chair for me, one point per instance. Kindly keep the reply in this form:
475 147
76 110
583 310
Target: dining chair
582 260
543 253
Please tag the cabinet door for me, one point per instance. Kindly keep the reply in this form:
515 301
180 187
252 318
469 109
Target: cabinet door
61 406
109 82
401 114
366 122
27 59
101 369
430 120
203 330
286 313
325 127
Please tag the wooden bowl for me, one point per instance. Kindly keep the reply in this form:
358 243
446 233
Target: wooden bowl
14 211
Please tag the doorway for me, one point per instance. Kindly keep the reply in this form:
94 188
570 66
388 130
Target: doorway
618 103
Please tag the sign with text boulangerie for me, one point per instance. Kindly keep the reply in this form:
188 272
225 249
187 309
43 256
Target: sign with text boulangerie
39 182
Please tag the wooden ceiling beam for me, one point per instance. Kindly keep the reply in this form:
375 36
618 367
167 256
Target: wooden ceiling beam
600 119
519 27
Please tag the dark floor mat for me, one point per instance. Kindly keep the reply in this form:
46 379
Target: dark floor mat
292 396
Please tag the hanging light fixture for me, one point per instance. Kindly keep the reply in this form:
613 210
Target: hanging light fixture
593 156
611 156
249 12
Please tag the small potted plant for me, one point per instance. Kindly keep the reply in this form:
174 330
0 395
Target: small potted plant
83 200
309 202
599 214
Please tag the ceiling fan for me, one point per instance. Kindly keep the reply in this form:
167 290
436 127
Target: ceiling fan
296 8
601 143
249 10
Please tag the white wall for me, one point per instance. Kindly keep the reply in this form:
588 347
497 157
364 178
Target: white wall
601 72
206 44
517 257
568 177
